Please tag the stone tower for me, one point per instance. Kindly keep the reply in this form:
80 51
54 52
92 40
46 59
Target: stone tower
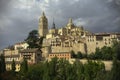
53 26
43 25
70 24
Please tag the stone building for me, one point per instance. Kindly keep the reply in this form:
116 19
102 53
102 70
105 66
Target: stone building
100 40
20 51
64 39
21 46
9 56
72 37
43 25
32 56
62 55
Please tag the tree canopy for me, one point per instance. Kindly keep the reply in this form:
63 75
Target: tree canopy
13 66
34 40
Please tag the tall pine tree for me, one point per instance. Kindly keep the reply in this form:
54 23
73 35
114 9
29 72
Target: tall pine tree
24 66
13 66
3 66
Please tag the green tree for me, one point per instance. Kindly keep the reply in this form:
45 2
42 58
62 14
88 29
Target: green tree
115 74
73 54
62 69
91 56
97 54
3 66
13 66
116 49
101 75
0 68
79 55
34 40
24 66
92 68
46 73
107 53
35 72
53 68
0 65
79 70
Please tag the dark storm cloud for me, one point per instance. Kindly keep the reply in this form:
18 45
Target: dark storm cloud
3 9
4 5
18 17
98 13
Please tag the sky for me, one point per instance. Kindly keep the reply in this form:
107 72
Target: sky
19 17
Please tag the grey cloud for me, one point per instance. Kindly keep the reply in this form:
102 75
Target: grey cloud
4 5
97 16
100 13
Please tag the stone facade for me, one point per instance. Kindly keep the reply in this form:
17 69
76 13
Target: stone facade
76 38
64 39
20 45
100 40
9 56
32 56
18 53
43 25
58 42
62 55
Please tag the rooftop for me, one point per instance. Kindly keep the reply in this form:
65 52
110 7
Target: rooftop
29 50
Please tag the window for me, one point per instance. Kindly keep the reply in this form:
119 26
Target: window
96 43
105 43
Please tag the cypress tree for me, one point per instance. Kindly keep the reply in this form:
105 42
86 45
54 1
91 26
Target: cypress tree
24 66
3 66
115 74
0 64
13 66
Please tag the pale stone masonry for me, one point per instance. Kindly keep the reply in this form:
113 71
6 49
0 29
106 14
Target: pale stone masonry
72 37
58 42
20 46
43 25
32 56
63 55
100 40
9 56
13 52
18 53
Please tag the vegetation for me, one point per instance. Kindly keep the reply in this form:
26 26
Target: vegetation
13 66
61 69
2 62
34 40
105 53
24 66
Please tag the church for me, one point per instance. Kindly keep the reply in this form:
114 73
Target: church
58 42
71 37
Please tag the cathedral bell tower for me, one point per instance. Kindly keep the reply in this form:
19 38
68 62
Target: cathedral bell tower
43 25
70 24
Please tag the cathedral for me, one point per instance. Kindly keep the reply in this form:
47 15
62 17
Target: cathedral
65 39
58 42
71 37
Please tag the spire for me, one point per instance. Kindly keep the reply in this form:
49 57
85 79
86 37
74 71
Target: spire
43 14
70 20
53 24
70 23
